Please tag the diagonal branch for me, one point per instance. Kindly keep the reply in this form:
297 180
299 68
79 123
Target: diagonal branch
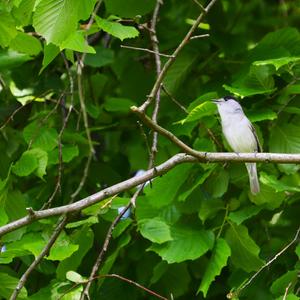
171 60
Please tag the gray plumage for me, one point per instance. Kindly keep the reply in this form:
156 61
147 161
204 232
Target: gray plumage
240 134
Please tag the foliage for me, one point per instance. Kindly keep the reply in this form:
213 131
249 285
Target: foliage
195 232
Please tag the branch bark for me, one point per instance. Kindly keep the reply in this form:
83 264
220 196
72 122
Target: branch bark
202 157
171 60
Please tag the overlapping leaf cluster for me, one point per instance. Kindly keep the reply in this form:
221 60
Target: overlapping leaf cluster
196 230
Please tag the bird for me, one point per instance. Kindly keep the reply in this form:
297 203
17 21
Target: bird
240 134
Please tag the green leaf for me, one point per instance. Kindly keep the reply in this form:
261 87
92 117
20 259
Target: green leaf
163 190
7 29
85 9
68 153
116 29
204 109
279 285
121 105
257 81
209 208
83 237
76 41
285 138
74 277
25 43
297 250
56 20
261 115
244 214
276 184
187 244
217 262
217 183
15 205
130 8
88 221
244 251
268 197
11 59
40 137
178 71
62 248
155 230
23 12
277 62
7 286
50 52
103 57
26 165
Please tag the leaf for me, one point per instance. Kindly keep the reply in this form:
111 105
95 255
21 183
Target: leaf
238 217
130 8
261 115
267 197
30 161
244 251
85 9
257 81
83 237
279 285
209 208
88 221
116 29
155 230
277 62
121 105
56 20
11 59
217 262
285 138
50 52
204 109
62 248
276 184
74 277
8 284
178 71
76 41
25 43
187 244
26 165
23 12
103 57
217 183
164 189
7 29
40 137
68 153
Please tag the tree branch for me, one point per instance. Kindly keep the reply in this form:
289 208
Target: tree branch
44 252
171 60
177 159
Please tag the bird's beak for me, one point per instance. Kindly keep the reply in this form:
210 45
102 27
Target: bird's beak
216 101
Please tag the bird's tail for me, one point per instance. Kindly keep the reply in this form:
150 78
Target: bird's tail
253 180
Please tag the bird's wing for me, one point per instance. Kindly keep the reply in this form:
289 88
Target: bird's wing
259 148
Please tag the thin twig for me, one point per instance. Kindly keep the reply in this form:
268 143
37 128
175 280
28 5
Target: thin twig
200 36
171 60
85 292
118 277
154 41
244 285
60 226
173 99
146 50
200 5
286 291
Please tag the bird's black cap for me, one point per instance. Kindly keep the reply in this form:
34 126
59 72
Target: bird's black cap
226 98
